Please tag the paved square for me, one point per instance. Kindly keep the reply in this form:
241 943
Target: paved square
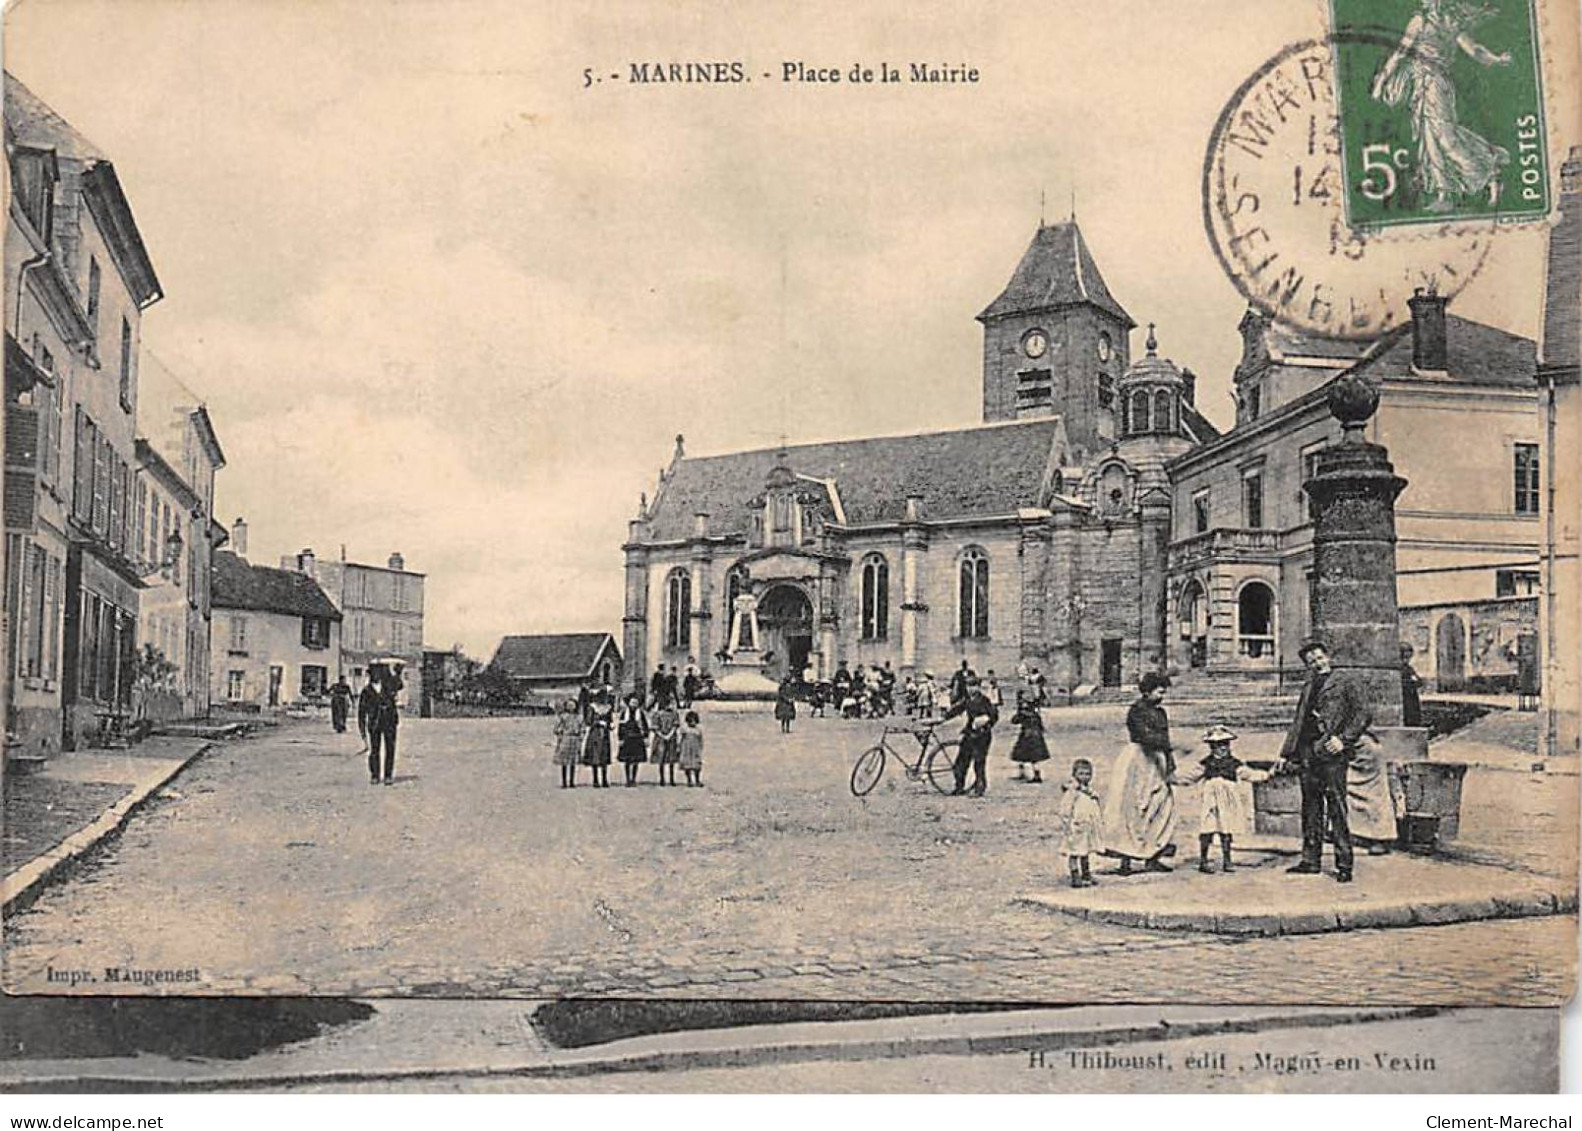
274 867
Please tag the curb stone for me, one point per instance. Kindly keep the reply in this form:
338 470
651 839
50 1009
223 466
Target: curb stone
724 1049
1423 913
59 860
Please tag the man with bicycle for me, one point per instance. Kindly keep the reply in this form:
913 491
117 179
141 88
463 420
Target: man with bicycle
975 737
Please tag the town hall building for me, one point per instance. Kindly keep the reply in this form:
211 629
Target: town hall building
1096 525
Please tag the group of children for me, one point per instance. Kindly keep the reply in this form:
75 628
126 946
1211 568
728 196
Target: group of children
662 735
1224 810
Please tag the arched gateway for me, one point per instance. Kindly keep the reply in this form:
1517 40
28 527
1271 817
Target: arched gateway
785 616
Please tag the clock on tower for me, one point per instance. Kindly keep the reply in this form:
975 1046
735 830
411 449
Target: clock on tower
1054 340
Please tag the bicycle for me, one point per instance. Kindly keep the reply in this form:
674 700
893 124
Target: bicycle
936 760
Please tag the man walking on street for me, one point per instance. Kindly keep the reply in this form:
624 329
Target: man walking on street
340 704
975 738
378 717
1331 719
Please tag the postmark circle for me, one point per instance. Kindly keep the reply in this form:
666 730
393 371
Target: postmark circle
1273 209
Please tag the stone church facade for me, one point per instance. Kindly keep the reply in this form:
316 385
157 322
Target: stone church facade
1095 525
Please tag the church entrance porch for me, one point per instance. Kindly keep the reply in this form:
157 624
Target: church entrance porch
785 617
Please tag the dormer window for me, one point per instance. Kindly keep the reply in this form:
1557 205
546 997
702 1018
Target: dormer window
34 175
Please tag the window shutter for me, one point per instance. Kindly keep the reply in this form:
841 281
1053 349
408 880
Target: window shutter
113 524
142 518
52 619
101 486
13 595
82 468
25 626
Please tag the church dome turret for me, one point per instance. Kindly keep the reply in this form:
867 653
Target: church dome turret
1150 394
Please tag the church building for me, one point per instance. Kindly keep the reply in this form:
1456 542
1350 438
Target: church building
1095 524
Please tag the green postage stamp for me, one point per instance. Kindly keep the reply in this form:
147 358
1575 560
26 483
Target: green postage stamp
1441 110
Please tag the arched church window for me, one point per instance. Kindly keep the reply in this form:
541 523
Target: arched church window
973 602
875 598
678 609
782 513
1162 411
1106 391
1141 420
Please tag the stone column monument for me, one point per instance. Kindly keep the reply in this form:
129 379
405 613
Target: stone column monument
1352 500
1352 496
743 673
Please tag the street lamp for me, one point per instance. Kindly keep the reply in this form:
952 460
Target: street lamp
172 555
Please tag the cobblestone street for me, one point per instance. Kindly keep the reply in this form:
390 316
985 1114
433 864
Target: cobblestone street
272 866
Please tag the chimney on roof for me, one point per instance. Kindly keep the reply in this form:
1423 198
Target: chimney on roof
397 562
700 524
1428 330
306 562
239 537
1189 386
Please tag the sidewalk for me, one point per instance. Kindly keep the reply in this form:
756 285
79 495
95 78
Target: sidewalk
56 815
1399 890
415 1040
1515 858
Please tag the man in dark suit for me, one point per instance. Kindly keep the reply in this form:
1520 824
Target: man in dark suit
340 704
1331 719
975 738
378 717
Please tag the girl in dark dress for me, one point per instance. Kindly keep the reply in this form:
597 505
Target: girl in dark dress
785 705
666 742
596 743
1030 748
633 733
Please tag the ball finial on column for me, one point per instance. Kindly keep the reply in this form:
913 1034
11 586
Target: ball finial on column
1352 401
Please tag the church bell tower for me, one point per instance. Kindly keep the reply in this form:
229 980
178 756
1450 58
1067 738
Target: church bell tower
1055 342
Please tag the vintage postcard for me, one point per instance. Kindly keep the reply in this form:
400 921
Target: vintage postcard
628 520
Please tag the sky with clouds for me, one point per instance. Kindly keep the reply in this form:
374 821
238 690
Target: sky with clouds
441 298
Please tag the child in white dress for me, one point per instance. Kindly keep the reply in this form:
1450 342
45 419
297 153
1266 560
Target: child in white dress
1225 801
1083 818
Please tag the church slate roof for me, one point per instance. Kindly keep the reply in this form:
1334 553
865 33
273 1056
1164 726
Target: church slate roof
1198 426
239 584
989 470
1056 270
1476 354
565 655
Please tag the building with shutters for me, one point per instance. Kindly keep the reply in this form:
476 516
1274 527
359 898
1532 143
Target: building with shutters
78 279
276 635
383 607
176 536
